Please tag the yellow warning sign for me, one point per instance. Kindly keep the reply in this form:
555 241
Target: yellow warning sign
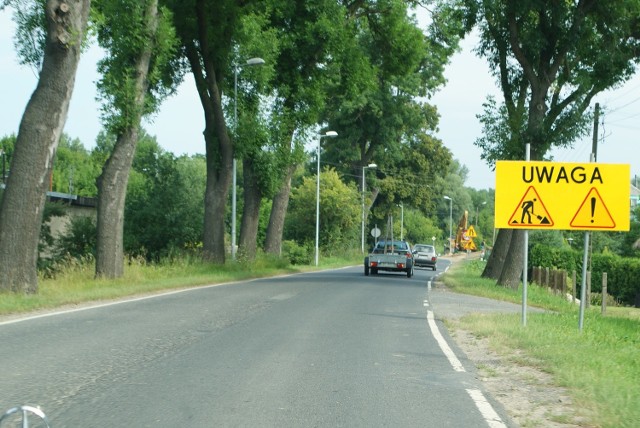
531 212
566 196
593 213
471 232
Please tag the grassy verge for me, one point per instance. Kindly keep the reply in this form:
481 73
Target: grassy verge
77 285
600 366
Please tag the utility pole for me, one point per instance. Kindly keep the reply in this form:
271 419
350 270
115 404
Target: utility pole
594 144
586 260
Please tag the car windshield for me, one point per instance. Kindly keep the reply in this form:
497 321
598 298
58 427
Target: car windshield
424 248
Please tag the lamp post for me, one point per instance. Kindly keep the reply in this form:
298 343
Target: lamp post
401 221
2 153
364 182
326 134
249 63
478 213
450 221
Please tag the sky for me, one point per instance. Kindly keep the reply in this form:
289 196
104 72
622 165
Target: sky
179 124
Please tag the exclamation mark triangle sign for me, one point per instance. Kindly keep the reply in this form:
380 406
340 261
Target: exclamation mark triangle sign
593 213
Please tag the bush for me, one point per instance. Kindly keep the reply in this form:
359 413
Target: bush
622 272
78 240
297 254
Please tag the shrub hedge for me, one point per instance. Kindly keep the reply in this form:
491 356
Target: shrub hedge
623 273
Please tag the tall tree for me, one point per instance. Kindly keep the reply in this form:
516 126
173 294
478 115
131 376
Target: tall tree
206 31
311 36
40 129
389 65
252 141
140 41
550 59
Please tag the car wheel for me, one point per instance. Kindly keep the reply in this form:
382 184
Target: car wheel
410 271
366 270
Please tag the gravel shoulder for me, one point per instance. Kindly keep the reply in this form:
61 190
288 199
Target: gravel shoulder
528 394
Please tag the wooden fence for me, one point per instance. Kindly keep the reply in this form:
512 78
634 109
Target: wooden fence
556 280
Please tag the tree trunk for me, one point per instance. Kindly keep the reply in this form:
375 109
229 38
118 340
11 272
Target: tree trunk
251 211
275 229
112 184
35 148
219 156
279 205
219 175
513 265
498 255
112 190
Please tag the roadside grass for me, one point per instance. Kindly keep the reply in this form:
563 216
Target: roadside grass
75 284
599 366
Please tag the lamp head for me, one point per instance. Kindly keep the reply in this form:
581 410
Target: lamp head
255 61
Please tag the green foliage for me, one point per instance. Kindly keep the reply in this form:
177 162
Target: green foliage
340 212
122 30
164 209
7 143
555 257
550 59
419 229
296 253
31 31
75 171
388 67
622 272
78 240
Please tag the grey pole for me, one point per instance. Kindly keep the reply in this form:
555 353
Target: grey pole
326 134
450 222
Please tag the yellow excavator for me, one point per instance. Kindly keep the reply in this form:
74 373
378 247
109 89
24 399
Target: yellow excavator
465 235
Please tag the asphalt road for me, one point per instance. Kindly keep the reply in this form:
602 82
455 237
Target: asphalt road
323 349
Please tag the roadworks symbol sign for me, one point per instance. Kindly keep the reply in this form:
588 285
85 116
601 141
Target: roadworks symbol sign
593 213
531 211
471 232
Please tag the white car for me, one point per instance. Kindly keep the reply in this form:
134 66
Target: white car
425 256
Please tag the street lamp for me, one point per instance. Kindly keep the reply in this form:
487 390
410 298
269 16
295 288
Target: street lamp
326 134
249 63
450 221
364 182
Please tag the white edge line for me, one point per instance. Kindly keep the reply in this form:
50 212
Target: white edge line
488 413
451 356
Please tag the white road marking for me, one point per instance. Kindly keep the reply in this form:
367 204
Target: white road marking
485 408
451 356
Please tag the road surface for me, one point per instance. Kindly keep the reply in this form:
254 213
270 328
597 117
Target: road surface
324 349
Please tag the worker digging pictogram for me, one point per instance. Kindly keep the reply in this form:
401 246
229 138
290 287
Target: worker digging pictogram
593 213
531 211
